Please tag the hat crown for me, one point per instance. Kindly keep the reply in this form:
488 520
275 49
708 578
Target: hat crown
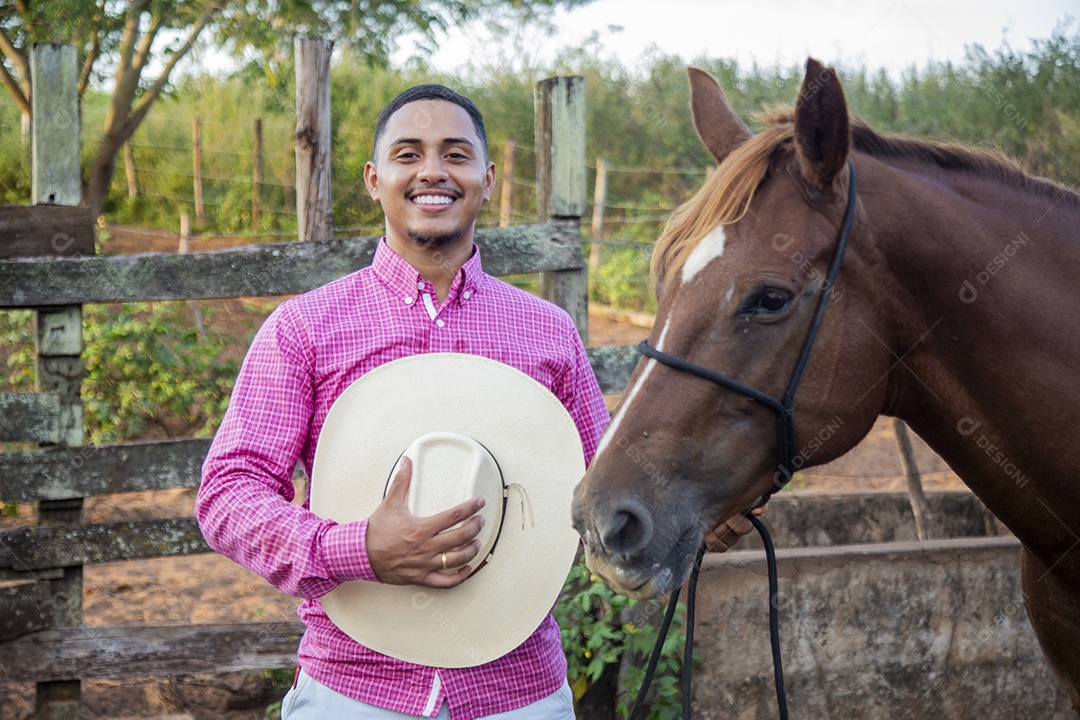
449 468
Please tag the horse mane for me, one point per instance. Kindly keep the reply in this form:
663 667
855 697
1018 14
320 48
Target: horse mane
726 195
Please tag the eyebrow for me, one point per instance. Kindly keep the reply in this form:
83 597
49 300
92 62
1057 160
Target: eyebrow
445 141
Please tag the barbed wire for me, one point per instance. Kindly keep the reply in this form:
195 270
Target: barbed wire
652 170
191 200
190 148
245 181
618 242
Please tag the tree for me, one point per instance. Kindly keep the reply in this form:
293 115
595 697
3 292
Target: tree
142 41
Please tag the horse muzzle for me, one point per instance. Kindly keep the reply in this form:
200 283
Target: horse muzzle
635 552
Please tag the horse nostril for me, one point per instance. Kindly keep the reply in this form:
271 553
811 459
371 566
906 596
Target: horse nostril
628 529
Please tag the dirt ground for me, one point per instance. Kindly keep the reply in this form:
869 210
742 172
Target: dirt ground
209 588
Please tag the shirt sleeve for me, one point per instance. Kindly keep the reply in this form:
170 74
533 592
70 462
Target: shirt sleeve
244 503
580 395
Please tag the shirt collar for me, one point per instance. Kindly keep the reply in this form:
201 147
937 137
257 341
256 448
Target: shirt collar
403 278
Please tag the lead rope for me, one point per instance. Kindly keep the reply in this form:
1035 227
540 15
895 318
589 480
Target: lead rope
688 650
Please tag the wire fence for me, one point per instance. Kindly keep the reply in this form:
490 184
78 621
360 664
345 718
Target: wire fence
221 182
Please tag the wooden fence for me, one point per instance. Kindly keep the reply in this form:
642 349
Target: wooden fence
42 637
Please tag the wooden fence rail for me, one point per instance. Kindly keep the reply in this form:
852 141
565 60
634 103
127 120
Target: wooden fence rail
279 268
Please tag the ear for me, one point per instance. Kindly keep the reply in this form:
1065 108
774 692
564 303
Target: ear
717 124
822 132
371 180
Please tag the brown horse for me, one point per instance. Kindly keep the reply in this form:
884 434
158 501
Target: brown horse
946 313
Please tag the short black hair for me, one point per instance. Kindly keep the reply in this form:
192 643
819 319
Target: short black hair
430 92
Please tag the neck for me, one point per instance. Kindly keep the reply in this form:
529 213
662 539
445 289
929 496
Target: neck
438 264
981 274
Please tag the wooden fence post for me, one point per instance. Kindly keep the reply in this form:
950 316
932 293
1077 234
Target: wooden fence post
560 184
129 170
257 174
314 199
196 171
506 199
599 200
924 529
183 249
57 180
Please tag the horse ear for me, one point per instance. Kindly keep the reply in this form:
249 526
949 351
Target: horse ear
717 124
822 133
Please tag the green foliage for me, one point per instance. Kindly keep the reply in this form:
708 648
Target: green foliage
622 279
145 366
17 349
597 632
147 361
280 681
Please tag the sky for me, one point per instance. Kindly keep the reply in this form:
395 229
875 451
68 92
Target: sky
889 34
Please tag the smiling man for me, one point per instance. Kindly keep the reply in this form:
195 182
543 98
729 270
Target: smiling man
425 292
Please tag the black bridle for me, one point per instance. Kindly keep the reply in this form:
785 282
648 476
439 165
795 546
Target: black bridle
787 446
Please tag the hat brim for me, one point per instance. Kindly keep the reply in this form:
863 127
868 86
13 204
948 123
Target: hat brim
538 448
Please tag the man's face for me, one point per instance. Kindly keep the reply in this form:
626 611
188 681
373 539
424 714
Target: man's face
430 174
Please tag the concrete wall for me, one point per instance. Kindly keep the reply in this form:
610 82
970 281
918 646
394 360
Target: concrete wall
811 519
890 631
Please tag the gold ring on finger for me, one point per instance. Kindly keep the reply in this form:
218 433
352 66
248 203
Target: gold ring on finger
444 561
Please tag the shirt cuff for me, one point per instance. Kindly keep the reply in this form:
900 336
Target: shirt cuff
345 552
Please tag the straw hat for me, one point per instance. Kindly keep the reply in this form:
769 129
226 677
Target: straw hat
472 427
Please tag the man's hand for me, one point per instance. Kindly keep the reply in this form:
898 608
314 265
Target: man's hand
408 550
724 536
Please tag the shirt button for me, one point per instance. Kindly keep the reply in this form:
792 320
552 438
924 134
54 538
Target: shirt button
440 323
466 294
408 301
419 285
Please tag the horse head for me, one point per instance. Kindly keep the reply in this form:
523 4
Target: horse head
739 270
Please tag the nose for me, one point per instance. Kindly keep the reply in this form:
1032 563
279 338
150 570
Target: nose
432 169
626 528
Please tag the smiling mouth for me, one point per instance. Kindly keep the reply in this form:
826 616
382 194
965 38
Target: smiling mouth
432 200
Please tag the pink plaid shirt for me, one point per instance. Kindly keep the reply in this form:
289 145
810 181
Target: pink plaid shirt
305 355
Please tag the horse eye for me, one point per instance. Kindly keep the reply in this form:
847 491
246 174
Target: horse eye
768 302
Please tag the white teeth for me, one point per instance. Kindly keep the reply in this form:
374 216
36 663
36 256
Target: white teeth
432 200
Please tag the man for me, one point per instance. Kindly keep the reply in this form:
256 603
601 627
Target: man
424 292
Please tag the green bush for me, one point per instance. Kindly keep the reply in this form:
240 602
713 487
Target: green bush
596 633
145 364
622 280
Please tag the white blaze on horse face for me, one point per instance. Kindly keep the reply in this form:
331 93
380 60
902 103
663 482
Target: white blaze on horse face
613 428
710 248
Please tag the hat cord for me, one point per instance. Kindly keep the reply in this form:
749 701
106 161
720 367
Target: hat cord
526 504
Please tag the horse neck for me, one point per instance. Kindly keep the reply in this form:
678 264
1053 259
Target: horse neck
982 314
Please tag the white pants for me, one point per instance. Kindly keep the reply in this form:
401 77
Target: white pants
311 700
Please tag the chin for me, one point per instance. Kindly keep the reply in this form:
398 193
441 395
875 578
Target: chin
435 239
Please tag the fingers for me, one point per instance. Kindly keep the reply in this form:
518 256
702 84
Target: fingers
449 568
759 511
447 519
446 580
399 485
456 536
727 533
458 558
